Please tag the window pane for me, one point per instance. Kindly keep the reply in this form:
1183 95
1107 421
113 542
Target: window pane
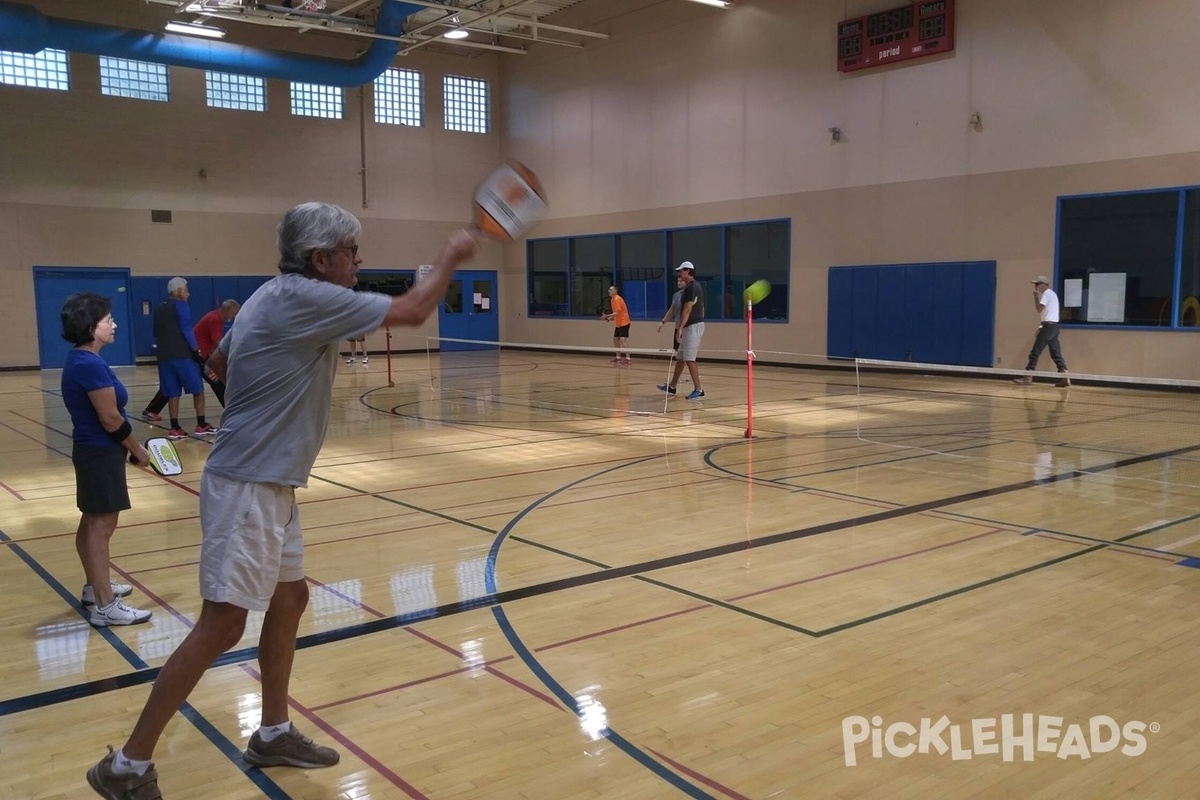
1189 288
549 261
239 92
702 247
758 252
591 275
466 101
398 94
642 274
314 100
141 80
384 281
1123 249
44 70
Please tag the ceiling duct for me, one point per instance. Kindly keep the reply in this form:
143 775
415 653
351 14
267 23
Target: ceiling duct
25 29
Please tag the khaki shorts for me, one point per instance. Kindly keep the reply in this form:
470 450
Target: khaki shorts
689 341
251 541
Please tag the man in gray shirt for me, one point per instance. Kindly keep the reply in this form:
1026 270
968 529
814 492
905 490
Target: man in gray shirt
278 363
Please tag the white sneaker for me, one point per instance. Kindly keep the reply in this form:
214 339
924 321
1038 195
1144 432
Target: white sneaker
117 613
88 596
349 360
365 359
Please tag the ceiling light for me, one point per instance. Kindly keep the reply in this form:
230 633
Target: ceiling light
717 3
457 33
191 29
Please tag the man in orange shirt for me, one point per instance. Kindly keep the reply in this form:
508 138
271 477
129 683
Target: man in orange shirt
620 318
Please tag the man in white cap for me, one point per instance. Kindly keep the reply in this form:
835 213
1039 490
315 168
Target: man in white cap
1046 302
691 330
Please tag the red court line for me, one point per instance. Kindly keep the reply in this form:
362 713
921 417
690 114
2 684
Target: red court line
349 744
1116 546
487 668
691 773
606 631
399 686
11 490
876 563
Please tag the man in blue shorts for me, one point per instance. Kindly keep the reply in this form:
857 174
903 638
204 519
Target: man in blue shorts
179 358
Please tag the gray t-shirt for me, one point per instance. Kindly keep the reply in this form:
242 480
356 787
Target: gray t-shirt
282 354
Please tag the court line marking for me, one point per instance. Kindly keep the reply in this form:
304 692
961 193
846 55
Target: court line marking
206 728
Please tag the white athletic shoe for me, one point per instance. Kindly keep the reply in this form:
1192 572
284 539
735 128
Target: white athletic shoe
117 613
349 360
365 359
88 596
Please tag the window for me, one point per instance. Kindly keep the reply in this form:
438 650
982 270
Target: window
466 101
1188 315
398 94
1128 259
591 275
569 277
44 70
314 100
393 282
641 273
549 260
239 92
140 80
703 247
760 251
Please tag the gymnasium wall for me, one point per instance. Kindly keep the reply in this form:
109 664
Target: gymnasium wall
687 115
690 115
80 172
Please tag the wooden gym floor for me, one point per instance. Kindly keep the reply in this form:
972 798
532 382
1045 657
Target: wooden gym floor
529 582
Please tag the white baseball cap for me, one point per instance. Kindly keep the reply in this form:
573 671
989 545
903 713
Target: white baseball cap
686 265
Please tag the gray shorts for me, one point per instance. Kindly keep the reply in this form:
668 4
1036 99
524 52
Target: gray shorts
251 541
689 341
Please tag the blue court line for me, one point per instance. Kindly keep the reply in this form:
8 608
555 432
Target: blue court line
523 652
268 787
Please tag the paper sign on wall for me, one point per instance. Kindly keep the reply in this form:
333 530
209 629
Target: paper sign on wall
1073 293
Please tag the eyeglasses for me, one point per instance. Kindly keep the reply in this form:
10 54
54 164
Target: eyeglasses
352 248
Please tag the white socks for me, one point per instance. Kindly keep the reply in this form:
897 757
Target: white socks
269 732
124 766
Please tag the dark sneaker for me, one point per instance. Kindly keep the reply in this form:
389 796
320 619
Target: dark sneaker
88 596
1063 382
1024 380
292 749
696 394
125 786
662 387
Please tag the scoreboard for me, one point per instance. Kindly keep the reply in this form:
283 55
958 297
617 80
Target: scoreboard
916 30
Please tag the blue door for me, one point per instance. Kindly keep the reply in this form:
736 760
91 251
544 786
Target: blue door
469 312
53 285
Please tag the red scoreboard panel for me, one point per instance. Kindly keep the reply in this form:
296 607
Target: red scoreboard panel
916 30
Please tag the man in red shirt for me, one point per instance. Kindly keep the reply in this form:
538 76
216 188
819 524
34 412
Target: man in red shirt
208 332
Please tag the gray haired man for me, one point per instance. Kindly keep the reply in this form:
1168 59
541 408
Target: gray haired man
278 363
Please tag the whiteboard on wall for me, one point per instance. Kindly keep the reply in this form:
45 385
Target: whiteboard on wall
1106 297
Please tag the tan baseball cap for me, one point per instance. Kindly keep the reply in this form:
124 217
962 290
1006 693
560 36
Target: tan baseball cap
1041 279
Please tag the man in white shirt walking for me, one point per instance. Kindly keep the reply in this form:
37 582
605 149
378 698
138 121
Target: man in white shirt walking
1046 302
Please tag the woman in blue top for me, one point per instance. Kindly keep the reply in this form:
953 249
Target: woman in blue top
101 437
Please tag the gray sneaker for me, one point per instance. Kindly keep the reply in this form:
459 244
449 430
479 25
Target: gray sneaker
88 596
125 786
292 749
117 613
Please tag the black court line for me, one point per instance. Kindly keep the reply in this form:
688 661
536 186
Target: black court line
55 696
